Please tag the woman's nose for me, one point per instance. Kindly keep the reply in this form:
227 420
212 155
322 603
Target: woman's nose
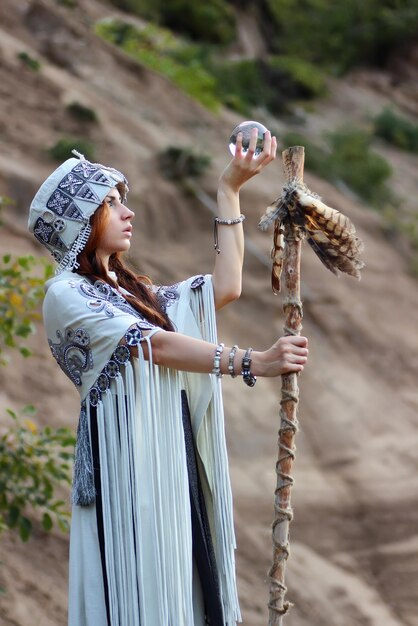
128 214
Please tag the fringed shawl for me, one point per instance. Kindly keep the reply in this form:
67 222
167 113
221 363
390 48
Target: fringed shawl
144 482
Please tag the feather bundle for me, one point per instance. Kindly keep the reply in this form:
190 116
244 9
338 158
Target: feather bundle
330 234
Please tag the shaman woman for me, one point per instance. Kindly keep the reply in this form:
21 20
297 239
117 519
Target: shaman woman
152 537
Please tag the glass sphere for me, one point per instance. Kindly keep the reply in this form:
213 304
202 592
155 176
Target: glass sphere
245 128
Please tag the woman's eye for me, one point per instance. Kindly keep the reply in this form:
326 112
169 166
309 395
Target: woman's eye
112 201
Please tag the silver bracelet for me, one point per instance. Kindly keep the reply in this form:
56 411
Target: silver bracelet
231 369
230 222
217 360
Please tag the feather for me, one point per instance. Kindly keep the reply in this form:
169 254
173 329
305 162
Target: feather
271 214
330 234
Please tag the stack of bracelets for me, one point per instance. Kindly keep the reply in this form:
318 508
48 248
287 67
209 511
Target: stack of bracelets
248 378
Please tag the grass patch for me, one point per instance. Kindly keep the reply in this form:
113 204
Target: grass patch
160 51
29 61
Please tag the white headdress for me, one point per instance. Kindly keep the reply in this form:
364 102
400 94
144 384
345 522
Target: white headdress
60 212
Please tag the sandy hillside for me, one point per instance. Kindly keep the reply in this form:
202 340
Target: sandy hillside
354 537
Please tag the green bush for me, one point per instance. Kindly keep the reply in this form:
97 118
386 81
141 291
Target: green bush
29 61
33 463
303 78
61 150
20 293
82 113
365 171
240 85
339 35
271 83
178 163
396 130
210 21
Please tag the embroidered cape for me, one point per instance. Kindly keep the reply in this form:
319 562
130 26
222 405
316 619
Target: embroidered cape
135 410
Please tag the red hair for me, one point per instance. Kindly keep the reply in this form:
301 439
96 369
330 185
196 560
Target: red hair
142 297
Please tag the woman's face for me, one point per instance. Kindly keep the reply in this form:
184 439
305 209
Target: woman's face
118 232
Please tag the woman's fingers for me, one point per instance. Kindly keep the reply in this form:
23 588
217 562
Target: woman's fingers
267 141
297 340
293 367
238 145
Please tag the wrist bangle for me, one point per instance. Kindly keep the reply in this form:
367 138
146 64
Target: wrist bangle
217 360
230 222
248 378
231 369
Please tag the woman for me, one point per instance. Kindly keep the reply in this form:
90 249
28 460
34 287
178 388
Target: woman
152 538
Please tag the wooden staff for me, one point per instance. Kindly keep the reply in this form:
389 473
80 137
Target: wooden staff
293 159
298 214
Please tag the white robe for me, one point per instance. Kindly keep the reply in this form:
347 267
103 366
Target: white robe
146 534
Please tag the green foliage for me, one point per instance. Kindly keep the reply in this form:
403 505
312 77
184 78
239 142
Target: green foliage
339 35
271 83
70 4
29 61
303 78
356 164
211 21
82 113
178 163
349 158
61 150
33 463
240 84
21 291
157 49
396 130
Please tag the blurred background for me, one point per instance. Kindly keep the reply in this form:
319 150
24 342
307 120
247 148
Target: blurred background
154 88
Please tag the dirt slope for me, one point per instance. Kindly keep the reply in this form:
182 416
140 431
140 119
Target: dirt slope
354 558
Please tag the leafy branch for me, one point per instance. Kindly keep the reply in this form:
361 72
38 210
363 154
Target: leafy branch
33 463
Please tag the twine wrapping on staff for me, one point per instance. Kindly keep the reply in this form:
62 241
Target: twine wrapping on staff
278 607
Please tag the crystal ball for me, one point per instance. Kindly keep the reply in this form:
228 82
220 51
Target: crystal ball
245 128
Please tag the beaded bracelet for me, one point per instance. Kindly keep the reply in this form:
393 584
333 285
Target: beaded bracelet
231 369
248 378
230 222
217 360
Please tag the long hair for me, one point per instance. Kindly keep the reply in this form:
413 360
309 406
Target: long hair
142 297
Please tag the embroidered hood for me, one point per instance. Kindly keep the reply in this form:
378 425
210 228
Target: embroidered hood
60 212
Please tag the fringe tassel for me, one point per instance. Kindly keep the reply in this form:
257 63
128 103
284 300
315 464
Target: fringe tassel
83 489
146 506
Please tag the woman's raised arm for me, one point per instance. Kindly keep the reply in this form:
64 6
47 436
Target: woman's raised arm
227 272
